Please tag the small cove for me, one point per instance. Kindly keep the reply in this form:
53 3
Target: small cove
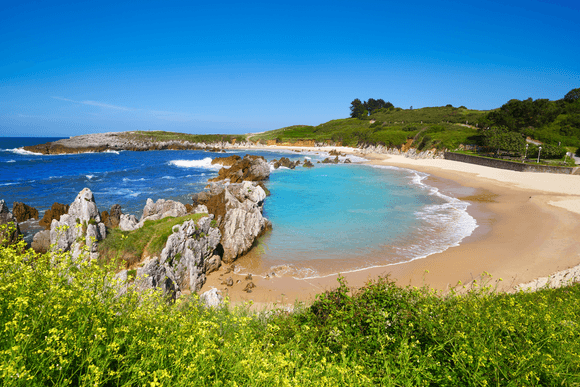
328 219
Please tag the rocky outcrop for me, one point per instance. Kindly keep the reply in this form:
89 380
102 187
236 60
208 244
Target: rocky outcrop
237 209
23 212
250 168
334 152
411 153
226 161
284 162
191 252
308 164
162 209
113 217
41 242
9 230
55 212
128 222
153 211
132 141
80 226
330 161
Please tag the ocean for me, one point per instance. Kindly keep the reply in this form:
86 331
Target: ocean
327 219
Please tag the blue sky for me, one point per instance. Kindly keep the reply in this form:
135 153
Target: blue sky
69 68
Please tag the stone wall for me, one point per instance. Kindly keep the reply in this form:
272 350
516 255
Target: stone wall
513 166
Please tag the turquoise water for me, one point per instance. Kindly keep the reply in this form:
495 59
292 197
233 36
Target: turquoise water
328 219
338 218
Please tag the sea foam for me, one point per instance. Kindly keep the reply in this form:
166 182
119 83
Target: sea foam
203 163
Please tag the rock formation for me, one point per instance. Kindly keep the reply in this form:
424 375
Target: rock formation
212 298
250 168
153 211
190 253
330 161
41 242
55 212
307 164
113 217
80 226
237 209
23 212
9 230
284 162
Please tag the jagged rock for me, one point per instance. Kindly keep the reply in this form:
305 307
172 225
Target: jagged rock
249 287
212 298
22 212
41 242
330 161
334 152
307 164
237 209
228 282
10 232
55 212
153 274
128 222
213 264
188 254
248 277
80 226
250 168
162 209
284 162
226 161
113 217
347 161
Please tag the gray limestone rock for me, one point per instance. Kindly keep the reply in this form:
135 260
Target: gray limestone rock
80 226
9 233
212 298
162 209
128 222
41 241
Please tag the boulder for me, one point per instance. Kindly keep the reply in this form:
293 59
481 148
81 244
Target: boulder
23 212
330 161
80 226
41 241
55 212
113 217
250 168
308 164
212 298
285 162
9 230
128 222
162 209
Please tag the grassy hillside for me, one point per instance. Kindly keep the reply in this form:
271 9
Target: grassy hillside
64 324
434 127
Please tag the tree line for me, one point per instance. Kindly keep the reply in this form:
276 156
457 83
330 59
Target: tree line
359 109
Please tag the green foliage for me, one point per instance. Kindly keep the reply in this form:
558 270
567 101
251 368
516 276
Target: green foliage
65 323
548 151
129 246
572 96
501 138
159 136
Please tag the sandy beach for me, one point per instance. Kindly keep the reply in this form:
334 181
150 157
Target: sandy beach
529 227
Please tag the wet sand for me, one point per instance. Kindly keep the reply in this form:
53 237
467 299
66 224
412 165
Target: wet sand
529 225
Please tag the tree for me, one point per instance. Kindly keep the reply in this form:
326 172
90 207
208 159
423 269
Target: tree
357 109
501 138
572 95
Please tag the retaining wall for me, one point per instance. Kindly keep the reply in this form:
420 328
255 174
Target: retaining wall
513 166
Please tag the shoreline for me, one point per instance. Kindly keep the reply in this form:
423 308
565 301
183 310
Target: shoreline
527 228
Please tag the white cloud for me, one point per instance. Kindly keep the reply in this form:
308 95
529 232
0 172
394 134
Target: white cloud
96 103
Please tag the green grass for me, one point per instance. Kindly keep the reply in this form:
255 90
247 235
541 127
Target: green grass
129 246
157 136
389 129
64 324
